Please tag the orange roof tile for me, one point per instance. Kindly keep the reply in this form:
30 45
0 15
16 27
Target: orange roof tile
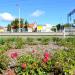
31 25
1 27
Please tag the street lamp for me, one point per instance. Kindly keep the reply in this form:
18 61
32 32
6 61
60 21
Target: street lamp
19 19
18 15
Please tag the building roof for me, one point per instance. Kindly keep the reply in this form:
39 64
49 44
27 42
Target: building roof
30 25
1 27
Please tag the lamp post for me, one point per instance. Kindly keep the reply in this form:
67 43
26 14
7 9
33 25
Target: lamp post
19 19
18 15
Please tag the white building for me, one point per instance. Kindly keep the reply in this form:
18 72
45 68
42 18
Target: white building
47 28
5 29
32 27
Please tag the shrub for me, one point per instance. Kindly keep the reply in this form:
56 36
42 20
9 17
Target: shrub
2 41
3 48
31 41
31 65
64 59
56 39
39 39
19 43
4 60
45 41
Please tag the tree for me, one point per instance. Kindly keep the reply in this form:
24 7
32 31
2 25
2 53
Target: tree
9 27
58 26
21 21
53 29
67 25
26 25
15 23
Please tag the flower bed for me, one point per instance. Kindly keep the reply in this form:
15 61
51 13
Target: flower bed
40 61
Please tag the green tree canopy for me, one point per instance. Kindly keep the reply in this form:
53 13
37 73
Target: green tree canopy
67 25
9 27
26 25
58 26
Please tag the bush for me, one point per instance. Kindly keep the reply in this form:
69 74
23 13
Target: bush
19 43
56 39
64 59
3 48
4 60
39 39
2 41
31 65
31 41
45 41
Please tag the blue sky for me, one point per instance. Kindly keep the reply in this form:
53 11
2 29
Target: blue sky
40 11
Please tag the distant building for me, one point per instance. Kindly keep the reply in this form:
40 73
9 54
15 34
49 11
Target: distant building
16 29
32 27
48 28
69 29
1 29
5 29
44 28
39 28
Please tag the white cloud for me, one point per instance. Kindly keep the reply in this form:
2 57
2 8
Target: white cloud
37 13
6 16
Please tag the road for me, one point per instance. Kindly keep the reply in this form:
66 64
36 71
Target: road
37 34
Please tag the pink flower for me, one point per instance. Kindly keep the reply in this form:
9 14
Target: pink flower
45 60
46 55
33 51
14 55
23 66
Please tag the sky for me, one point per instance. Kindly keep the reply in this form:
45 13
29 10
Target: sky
40 11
